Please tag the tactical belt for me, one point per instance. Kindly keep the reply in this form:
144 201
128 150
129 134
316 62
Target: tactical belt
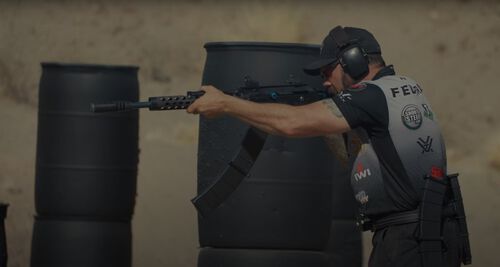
405 217
399 218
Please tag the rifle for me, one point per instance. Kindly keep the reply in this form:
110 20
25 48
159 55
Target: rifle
290 92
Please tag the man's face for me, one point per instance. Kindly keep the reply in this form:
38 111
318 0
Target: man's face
334 78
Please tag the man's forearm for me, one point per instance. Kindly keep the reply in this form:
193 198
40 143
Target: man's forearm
313 119
268 117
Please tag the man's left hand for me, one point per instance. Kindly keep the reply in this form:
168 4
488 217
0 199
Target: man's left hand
211 104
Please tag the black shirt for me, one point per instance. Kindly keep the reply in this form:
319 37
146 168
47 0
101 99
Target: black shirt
365 107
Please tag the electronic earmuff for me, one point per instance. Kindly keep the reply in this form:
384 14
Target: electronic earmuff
352 58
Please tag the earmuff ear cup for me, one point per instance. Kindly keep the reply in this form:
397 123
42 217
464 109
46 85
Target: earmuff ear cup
354 61
352 57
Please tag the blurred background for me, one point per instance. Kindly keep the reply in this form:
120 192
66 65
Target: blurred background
449 47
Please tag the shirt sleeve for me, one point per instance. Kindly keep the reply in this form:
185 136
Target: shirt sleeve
364 107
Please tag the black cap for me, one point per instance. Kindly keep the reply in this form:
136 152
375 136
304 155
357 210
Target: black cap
332 45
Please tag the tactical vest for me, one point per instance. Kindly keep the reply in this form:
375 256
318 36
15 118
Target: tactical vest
417 139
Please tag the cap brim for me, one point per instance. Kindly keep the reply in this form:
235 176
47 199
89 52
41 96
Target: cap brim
315 67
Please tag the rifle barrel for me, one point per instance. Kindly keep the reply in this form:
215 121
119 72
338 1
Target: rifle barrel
118 106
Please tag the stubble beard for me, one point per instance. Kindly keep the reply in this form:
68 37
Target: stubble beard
346 81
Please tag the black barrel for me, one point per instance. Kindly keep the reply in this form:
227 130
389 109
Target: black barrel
286 201
211 257
61 243
3 238
86 164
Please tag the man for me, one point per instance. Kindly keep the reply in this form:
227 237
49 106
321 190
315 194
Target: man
401 139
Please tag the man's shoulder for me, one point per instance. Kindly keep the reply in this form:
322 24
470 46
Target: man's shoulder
364 96
390 80
361 86
363 90
364 105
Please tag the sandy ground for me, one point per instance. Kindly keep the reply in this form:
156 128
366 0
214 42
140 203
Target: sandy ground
450 47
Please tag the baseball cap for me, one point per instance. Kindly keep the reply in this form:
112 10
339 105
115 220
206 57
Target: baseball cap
332 45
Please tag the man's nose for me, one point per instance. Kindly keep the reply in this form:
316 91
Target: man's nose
327 84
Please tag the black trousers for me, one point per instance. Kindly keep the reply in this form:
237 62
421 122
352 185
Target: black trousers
398 245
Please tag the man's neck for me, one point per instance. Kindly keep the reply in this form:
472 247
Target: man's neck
372 71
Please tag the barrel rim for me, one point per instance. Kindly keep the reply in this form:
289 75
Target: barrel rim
89 66
260 45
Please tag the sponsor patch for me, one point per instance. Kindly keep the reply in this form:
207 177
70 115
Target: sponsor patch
425 144
362 197
361 172
428 112
411 117
437 173
407 89
344 97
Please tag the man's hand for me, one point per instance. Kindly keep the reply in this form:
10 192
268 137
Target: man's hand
211 104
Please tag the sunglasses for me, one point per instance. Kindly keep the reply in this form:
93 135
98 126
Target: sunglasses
326 71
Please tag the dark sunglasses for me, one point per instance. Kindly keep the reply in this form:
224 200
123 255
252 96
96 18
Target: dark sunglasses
326 71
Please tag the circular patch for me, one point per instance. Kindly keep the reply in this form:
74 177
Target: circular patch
411 117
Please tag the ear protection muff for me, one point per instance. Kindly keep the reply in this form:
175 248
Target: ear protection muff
352 58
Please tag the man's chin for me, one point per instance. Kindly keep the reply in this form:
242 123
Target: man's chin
332 90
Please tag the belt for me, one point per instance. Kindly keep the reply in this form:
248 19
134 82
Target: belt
404 217
411 216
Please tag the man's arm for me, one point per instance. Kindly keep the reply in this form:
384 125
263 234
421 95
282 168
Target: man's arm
316 119
337 145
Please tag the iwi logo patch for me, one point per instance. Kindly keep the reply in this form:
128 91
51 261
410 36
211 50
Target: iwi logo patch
361 172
